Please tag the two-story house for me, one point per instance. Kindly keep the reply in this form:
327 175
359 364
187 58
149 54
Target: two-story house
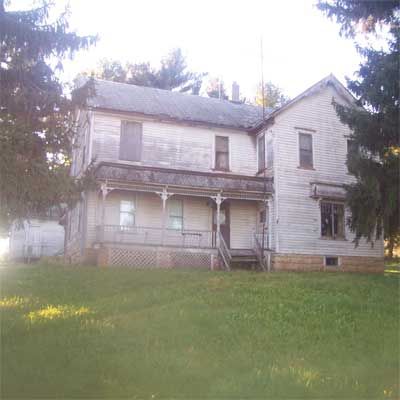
191 181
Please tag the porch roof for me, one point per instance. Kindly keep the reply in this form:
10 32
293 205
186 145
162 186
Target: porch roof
151 179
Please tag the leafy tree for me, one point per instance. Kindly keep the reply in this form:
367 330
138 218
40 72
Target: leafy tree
35 116
172 74
273 96
374 198
216 89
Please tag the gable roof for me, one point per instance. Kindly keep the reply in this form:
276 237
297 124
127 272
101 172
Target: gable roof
328 80
174 105
178 106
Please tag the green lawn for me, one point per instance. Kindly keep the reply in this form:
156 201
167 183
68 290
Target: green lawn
87 332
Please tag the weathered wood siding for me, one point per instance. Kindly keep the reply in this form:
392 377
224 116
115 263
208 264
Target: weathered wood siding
174 146
197 215
243 216
297 216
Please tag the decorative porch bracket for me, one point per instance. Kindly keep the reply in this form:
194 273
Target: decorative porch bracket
218 201
164 195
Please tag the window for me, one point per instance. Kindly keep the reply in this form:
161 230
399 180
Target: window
352 150
222 153
261 152
331 261
332 220
270 153
130 145
175 214
127 213
305 150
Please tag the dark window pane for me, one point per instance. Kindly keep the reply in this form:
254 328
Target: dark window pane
222 143
222 152
338 220
331 261
326 219
306 150
130 146
222 161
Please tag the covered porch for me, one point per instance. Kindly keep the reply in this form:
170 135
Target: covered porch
226 222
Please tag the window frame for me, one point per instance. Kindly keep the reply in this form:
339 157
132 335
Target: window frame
216 168
312 166
133 201
332 236
332 266
181 217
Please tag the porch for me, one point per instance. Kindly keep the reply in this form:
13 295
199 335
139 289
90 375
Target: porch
196 218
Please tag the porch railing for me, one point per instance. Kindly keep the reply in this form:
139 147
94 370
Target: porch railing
155 236
262 253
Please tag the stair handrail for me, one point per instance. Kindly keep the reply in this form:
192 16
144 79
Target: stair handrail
258 249
224 252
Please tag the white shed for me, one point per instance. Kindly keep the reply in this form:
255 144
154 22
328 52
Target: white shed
35 238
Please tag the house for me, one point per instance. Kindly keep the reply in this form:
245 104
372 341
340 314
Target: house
192 181
36 237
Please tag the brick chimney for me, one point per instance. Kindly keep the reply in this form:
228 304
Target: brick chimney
235 92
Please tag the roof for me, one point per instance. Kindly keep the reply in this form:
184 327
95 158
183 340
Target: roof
196 109
175 105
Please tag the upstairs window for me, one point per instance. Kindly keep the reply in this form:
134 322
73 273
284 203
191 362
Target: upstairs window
175 214
222 153
261 152
270 153
332 220
130 145
305 150
127 213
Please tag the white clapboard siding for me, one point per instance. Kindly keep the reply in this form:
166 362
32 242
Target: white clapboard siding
175 146
197 215
298 219
243 215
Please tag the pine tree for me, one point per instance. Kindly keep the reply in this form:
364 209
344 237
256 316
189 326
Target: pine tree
36 128
172 74
374 198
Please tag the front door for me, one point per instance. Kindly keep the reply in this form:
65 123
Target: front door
224 222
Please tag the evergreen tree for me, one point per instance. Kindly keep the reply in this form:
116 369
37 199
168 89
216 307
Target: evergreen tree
35 116
374 198
172 74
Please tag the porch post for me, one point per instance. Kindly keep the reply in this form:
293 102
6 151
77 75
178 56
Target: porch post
104 192
164 195
218 201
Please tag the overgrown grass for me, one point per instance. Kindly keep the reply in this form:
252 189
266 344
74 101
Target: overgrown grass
104 333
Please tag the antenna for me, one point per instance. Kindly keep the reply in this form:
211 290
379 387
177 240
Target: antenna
262 77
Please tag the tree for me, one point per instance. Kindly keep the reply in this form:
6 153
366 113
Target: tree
216 89
273 96
172 74
35 115
374 198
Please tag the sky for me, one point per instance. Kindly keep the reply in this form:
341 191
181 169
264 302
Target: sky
300 45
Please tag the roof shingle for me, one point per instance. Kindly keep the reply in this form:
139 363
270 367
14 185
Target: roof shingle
175 105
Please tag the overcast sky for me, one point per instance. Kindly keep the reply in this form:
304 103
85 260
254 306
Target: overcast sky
301 45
